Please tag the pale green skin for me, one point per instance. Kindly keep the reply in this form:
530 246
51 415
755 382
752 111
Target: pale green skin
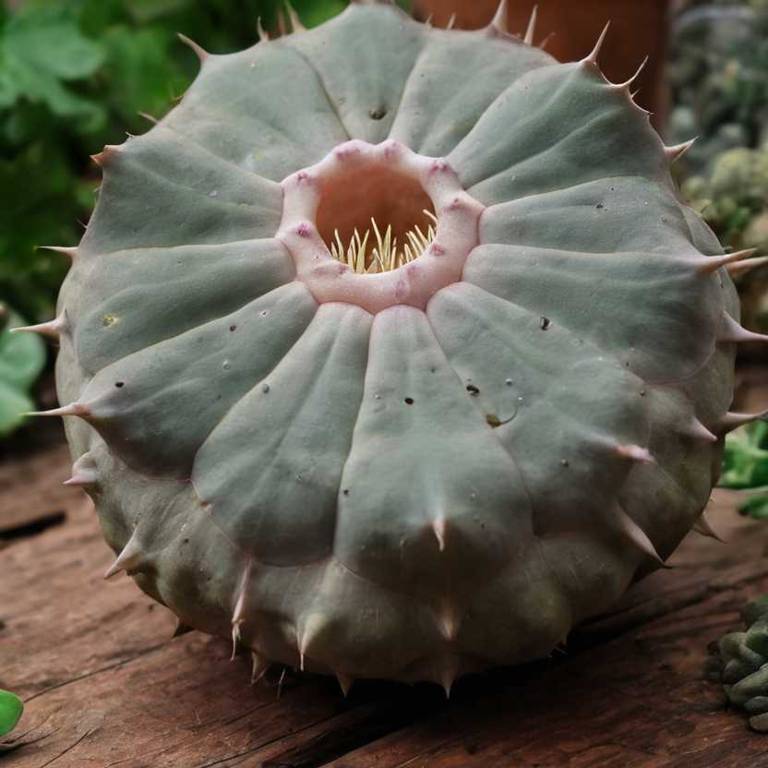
584 226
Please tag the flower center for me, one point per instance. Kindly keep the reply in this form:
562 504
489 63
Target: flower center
374 217
378 225
381 252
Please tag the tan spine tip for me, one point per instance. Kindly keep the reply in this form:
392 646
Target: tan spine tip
628 83
638 536
81 479
259 667
84 472
53 328
296 25
704 526
732 332
676 151
438 528
345 683
101 158
698 431
746 264
733 420
531 29
635 453
235 640
499 21
68 251
129 558
711 264
594 55
73 409
199 51
446 675
448 622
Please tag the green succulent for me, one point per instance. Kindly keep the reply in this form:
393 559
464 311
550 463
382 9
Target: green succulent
719 74
745 465
392 352
743 663
734 199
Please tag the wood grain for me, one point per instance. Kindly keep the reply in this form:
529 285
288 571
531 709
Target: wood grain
105 684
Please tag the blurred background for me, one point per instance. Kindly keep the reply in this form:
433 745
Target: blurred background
78 74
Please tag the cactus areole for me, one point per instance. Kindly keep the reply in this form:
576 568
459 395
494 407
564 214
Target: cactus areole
392 352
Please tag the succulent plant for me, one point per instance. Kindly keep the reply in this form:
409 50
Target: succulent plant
742 661
21 361
734 197
404 463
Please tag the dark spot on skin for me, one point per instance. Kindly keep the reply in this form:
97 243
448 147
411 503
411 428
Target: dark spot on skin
544 323
409 401
119 384
599 206
473 390
378 113
232 327
346 491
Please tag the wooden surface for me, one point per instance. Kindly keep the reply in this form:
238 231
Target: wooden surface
106 685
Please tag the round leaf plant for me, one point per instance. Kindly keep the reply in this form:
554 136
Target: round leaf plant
392 351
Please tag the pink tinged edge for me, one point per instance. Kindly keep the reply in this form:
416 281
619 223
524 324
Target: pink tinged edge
412 284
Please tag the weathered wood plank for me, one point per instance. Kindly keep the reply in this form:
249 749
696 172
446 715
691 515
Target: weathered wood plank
640 699
31 491
105 684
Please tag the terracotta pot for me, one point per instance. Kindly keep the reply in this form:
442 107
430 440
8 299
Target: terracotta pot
638 29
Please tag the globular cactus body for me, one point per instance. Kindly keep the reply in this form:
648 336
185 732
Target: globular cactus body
405 468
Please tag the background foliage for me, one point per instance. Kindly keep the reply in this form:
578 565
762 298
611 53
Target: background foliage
718 74
719 79
74 75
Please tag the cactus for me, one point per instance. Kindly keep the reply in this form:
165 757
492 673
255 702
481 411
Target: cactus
405 462
741 664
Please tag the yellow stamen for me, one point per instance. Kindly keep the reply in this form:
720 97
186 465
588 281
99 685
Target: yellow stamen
385 252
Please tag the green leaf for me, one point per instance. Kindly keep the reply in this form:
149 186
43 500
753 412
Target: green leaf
41 48
143 77
144 11
756 506
47 40
22 358
745 463
11 708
